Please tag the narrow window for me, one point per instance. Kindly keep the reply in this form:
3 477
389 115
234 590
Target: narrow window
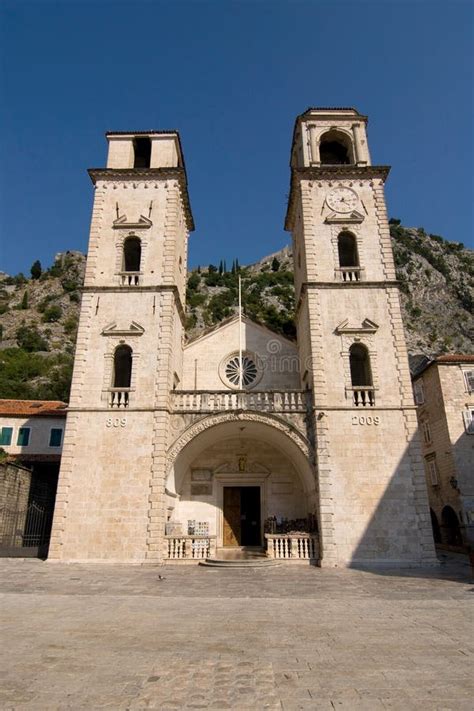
432 469
419 392
347 248
23 437
142 148
132 254
122 367
361 375
55 437
6 436
426 432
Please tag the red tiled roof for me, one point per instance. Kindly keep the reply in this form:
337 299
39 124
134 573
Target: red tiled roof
455 358
32 408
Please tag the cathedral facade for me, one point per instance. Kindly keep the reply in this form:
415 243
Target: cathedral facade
240 439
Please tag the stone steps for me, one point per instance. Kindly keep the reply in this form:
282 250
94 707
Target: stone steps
239 563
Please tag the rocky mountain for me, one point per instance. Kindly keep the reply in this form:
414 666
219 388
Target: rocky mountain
436 281
38 325
39 314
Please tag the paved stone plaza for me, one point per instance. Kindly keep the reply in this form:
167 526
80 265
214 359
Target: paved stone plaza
289 637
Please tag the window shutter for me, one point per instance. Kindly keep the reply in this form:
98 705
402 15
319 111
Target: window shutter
55 437
469 378
468 416
419 392
433 472
23 436
6 436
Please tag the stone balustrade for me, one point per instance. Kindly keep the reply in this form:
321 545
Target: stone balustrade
349 274
363 396
220 400
190 547
119 398
130 278
292 546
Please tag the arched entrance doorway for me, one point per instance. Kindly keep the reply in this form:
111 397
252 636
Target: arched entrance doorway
451 530
239 479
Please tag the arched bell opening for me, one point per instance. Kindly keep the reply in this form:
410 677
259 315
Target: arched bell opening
335 148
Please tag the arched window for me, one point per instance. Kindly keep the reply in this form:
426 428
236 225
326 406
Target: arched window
435 527
361 375
451 530
132 254
122 375
335 148
347 247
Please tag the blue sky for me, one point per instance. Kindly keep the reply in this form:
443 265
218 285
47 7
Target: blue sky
231 77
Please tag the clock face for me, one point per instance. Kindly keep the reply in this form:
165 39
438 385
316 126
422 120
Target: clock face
342 199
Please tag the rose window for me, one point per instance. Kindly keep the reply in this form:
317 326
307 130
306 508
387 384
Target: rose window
247 376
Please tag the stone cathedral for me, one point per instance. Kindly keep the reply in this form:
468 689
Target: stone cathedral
241 440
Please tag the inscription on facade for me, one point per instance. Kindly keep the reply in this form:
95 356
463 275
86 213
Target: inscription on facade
366 420
116 422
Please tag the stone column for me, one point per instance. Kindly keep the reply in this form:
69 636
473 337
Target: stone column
315 160
358 150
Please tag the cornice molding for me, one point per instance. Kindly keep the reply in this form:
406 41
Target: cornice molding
140 289
308 285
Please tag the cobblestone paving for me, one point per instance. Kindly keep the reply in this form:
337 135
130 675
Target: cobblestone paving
289 638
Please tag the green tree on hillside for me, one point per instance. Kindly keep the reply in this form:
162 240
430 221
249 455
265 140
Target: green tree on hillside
36 269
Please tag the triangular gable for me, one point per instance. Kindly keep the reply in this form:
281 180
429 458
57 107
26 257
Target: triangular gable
133 330
248 322
367 326
121 223
354 218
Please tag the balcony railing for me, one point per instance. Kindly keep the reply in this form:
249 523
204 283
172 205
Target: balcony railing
349 273
119 397
219 400
130 278
190 547
292 546
362 396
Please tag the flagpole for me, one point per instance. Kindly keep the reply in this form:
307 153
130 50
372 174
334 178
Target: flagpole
240 334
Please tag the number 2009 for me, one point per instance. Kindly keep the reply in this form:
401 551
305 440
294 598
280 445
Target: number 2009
365 420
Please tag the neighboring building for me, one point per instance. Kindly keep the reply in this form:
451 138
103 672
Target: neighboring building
444 393
178 450
32 430
31 434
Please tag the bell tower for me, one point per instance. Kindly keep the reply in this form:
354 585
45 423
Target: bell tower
372 493
128 354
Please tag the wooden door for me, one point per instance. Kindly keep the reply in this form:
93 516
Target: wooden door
232 525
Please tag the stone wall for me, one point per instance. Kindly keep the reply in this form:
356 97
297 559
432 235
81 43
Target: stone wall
15 484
